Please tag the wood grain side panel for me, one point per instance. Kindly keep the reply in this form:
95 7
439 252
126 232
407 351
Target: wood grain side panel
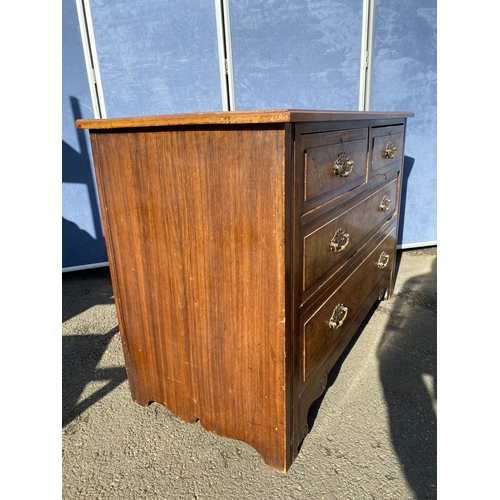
198 235
134 386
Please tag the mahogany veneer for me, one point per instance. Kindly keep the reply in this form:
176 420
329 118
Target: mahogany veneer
235 289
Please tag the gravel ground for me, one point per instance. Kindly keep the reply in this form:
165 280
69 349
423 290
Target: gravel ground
373 433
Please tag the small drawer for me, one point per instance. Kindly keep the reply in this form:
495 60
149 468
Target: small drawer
334 162
327 247
331 317
387 146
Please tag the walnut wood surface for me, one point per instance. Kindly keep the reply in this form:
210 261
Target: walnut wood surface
217 254
380 138
197 237
313 387
316 336
359 221
237 117
321 152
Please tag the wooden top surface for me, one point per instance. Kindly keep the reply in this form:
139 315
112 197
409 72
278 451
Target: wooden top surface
238 117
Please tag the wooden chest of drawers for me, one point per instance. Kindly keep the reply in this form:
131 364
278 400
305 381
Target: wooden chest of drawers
245 250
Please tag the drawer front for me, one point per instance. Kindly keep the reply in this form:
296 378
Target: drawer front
326 248
334 162
324 327
387 146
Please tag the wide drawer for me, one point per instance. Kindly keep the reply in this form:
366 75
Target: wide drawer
387 146
334 162
326 322
328 245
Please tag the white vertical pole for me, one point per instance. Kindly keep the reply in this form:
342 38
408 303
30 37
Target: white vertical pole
229 55
90 54
225 54
365 79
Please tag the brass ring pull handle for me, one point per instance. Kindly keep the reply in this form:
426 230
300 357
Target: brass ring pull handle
385 204
383 260
338 317
343 165
339 241
390 151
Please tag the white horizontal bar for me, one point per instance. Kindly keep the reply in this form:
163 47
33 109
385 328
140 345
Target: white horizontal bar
406 246
86 266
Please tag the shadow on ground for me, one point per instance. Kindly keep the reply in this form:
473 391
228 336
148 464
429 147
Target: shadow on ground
81 353
407 355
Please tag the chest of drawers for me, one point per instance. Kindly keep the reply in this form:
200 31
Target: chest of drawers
245 250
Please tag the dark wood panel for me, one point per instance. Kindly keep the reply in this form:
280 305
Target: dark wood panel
317 337
315 385
381 138
321 155
357 222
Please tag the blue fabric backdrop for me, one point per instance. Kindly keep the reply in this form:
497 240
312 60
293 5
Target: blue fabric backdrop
162 57
405 79
296 53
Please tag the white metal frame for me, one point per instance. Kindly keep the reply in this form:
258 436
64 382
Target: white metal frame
424 244
91 61
225 54
95 86
365 73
